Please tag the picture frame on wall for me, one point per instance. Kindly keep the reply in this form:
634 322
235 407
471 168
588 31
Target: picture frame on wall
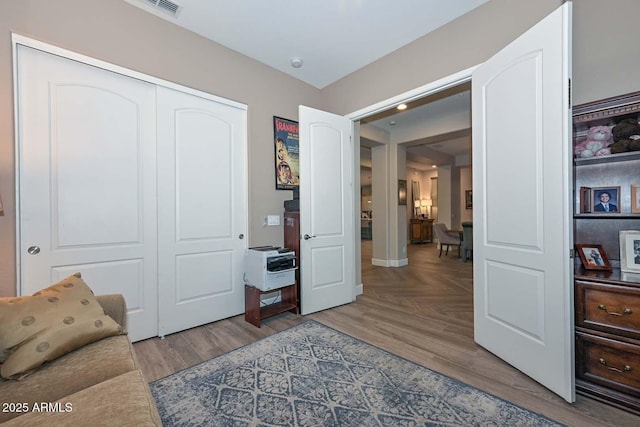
286 142
630 251
635 198
402 192
468 199
593 257
606 200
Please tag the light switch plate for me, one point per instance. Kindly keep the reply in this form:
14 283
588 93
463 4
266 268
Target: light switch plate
273 220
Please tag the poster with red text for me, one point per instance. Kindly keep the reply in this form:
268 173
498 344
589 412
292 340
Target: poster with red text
286 148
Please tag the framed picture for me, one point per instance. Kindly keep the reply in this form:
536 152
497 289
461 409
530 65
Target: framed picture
286 135
605 199
630 251
468 199
585 200
593 257
635 198
402 191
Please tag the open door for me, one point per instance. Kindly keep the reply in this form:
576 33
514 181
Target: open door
327 245
523 287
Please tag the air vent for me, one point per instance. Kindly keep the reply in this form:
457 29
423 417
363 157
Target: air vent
167 6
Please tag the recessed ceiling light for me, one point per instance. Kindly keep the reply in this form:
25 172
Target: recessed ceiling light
402 107
296 62
434 166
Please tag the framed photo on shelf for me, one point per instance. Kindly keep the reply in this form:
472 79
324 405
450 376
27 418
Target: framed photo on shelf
635 198
593 257
630 251
606 199
585 200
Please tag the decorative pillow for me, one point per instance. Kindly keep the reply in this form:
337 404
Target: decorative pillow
54 321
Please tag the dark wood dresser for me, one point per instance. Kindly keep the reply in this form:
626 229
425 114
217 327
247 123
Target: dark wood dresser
607 306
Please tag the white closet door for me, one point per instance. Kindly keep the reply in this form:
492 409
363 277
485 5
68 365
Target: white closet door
202 210
87 190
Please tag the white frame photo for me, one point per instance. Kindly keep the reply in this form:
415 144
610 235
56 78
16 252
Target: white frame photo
630 251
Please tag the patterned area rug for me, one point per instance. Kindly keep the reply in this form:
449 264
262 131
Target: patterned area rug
312 375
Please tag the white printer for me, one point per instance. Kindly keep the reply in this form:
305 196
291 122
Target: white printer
268 267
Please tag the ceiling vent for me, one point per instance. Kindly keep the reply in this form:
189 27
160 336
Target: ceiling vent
166 6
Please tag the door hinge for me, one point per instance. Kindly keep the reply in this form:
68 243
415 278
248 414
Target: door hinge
572 253
569 94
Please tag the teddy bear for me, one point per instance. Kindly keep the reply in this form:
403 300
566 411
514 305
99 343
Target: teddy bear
626 135
596 144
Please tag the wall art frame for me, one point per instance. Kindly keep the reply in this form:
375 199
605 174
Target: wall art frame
286 135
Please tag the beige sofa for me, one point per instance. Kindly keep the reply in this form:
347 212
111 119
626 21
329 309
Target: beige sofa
99 384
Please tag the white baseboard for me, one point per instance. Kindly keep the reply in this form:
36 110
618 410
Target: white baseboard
359 289
390 262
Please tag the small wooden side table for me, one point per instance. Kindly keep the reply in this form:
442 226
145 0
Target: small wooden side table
254 314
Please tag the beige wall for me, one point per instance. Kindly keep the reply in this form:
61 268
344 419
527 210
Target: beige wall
125 35
605 60
606 54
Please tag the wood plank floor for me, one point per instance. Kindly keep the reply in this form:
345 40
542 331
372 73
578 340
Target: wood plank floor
422 312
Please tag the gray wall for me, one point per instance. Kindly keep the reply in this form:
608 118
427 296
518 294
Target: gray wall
606 60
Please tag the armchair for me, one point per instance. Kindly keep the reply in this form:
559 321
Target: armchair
446 238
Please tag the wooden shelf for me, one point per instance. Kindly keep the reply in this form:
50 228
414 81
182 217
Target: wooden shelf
254 314
607 216
612 158
607 303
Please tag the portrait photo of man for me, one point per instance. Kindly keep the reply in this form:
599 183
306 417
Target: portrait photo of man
606 200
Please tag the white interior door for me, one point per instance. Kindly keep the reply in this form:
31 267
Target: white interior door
202 181
86 173
327 270
523 291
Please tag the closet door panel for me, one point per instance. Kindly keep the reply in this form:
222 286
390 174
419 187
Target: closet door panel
202 210
86 173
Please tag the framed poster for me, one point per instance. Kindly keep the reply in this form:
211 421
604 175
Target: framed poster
468 199
286 136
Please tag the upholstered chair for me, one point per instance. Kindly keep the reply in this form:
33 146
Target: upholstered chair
446 238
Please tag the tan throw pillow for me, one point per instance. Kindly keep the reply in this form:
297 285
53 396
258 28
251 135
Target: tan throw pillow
39 328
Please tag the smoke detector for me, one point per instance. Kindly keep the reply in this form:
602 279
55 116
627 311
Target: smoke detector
296 62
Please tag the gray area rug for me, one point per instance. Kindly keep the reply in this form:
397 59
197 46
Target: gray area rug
312 375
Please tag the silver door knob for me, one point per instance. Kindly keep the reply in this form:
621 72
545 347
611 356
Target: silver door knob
33 250
307 237
241 236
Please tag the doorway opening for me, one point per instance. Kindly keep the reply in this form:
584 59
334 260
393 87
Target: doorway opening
434 135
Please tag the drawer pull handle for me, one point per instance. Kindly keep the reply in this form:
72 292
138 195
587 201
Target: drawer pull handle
626 368
626 311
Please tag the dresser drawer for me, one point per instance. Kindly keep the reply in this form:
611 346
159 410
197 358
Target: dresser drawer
608 308
608 362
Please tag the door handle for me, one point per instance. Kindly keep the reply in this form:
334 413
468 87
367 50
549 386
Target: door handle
33 250
307 237
241 236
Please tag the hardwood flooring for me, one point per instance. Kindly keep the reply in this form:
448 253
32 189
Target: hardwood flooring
422 312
